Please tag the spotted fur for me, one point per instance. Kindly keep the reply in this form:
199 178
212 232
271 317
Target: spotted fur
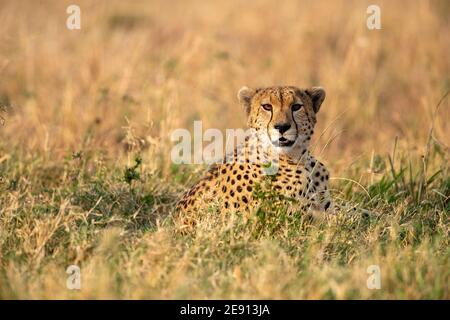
283 119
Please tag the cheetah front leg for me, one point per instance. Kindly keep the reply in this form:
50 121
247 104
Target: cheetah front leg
322 202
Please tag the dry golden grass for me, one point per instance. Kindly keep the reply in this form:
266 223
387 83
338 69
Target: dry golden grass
79 106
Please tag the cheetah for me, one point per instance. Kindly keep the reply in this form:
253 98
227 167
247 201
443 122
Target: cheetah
282 121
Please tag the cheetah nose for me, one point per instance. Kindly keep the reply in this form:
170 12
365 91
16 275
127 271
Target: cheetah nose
282 127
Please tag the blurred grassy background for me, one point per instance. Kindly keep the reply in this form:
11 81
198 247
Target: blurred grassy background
156 66
79 105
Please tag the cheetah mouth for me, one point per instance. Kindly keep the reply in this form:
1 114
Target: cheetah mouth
283 142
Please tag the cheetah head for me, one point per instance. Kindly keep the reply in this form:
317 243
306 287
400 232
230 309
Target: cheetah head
284 116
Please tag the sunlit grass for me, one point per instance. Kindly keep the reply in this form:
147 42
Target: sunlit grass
85 170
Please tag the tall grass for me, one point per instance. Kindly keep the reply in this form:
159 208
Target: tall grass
85 170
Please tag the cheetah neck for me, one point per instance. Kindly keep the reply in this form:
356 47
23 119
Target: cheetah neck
265 152
297 154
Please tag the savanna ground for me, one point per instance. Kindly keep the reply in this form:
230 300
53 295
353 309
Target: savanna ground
79 107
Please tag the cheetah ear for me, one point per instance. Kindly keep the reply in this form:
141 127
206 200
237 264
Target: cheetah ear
245 96
317 95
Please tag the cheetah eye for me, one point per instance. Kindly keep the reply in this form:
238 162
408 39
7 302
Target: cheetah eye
296 107
267 107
